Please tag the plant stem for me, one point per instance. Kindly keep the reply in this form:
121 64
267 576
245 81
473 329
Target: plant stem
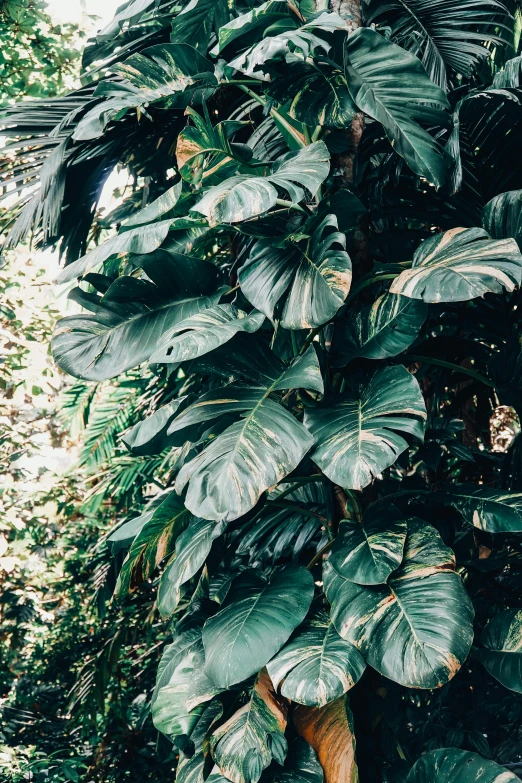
365 283
450 366
316 558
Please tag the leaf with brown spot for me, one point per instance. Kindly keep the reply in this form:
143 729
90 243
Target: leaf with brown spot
416 629
329 730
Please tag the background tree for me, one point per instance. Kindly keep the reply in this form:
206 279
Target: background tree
327 331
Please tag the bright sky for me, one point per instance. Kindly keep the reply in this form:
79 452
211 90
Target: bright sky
72 10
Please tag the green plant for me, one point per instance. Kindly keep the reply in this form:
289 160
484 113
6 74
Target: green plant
318 271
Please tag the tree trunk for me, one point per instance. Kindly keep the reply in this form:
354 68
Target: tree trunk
351 9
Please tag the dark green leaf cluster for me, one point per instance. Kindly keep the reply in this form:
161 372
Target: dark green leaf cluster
321 269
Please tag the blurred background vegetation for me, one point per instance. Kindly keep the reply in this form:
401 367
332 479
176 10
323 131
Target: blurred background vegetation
75 672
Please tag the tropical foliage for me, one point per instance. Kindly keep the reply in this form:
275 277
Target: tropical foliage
302 323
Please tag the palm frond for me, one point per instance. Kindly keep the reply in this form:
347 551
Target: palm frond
449 38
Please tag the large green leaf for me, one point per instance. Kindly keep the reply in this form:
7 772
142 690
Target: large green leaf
182 689
256 620
459 265
242 197
196 22
153 543
117 336
418 628
313 276
391 86
501 653
203 332
314 95
142 239
260 18
245 745
227 478
502 216
289 45
494 510
316 666
357 436
450 765
329 730
367 552
192 549
379 331
172 75
129 320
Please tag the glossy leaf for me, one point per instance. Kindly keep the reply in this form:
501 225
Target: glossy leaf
502 216
367 552
192 549
450 765
242 197
181 686
488 509
203 332
154 542
329 730
256 620
303 43
315 95
310 279
245 745
501 651
391 86
173 75
226 479
357 436
459 265
196 22
316 666
381 330
418 628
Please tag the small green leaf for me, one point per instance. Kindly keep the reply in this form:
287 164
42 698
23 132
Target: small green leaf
244 746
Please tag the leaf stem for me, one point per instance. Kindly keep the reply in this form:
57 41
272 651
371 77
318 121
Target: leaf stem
299 482
288 504
316 558
365 283
450 366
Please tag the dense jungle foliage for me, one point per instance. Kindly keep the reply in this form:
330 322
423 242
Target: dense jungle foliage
289 548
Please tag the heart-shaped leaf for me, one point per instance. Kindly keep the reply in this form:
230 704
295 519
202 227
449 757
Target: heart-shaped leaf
357 436
256 620
317 666
313 276
418 628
